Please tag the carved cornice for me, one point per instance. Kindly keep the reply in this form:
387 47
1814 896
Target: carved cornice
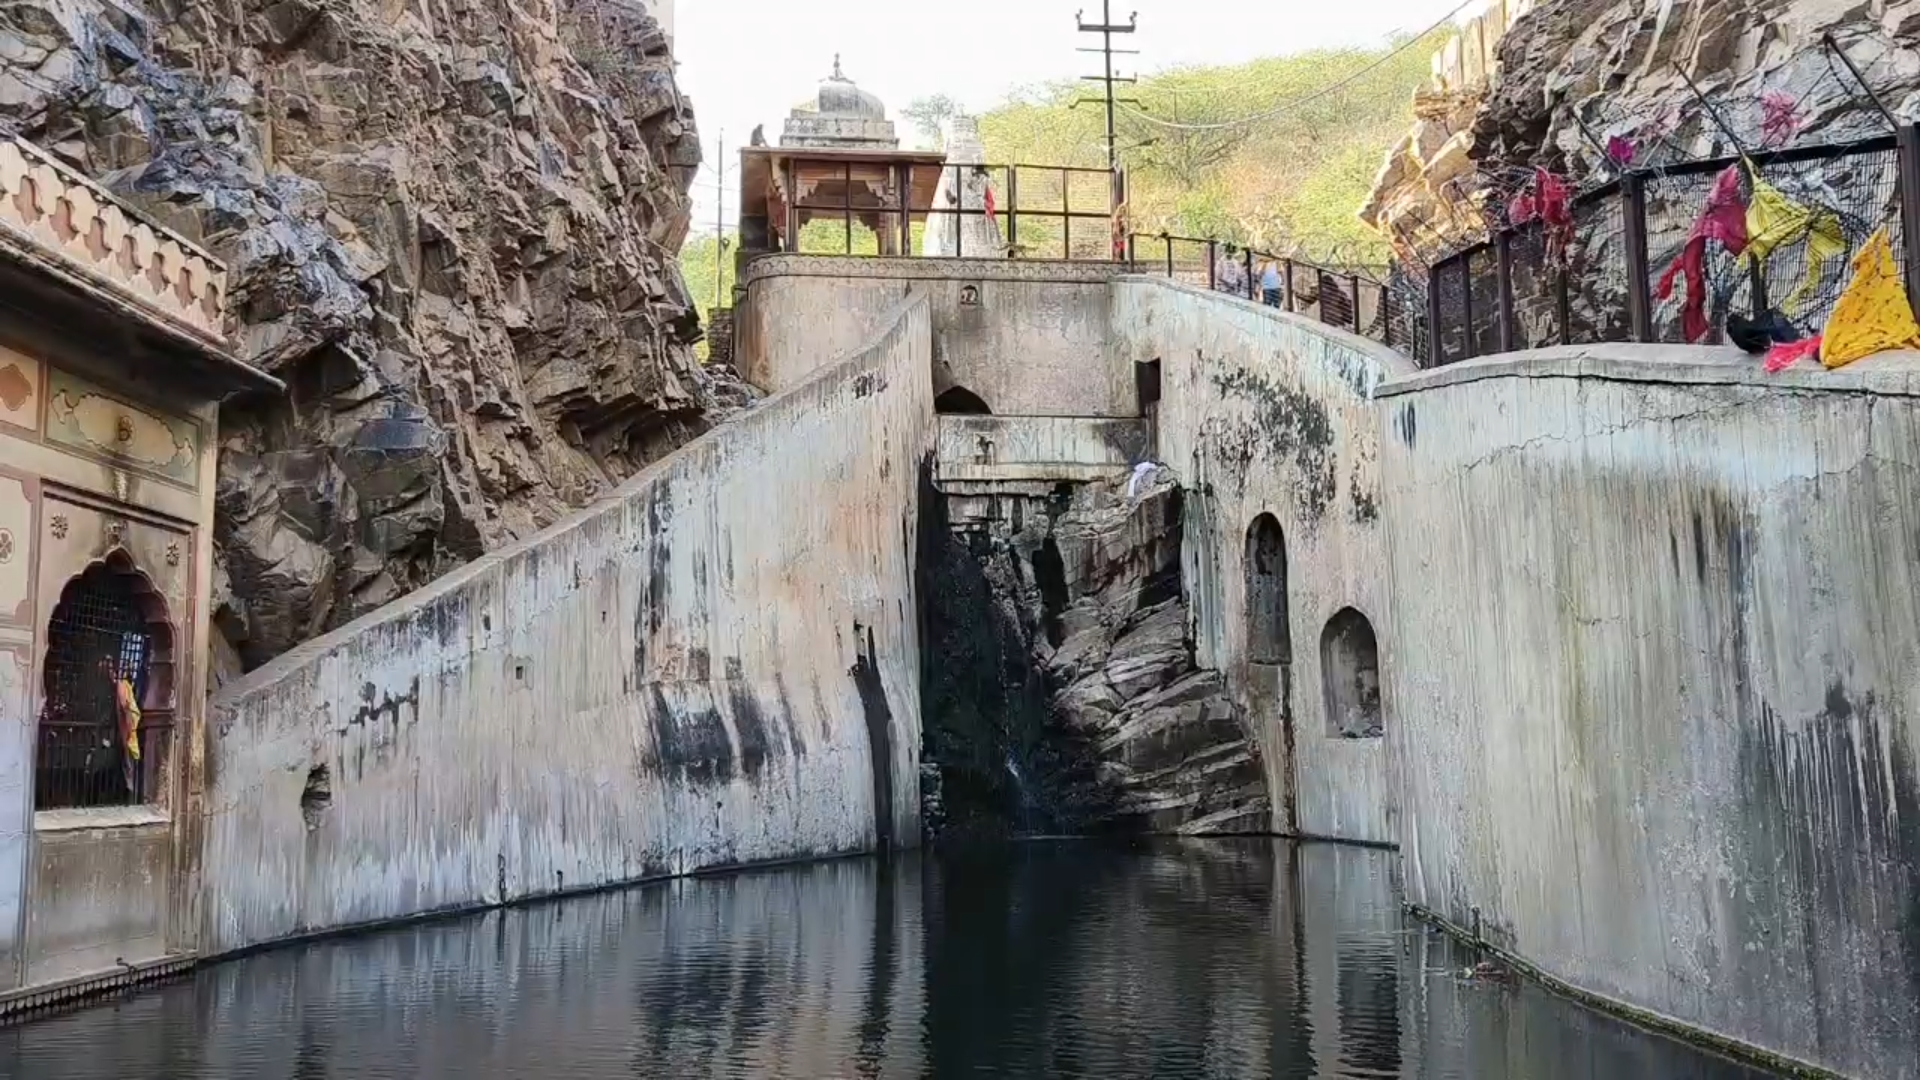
907 269
76 224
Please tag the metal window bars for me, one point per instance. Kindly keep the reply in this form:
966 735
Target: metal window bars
98 635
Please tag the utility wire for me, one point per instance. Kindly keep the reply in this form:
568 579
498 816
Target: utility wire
1317 94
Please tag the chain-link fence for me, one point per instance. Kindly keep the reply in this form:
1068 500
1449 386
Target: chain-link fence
1647 256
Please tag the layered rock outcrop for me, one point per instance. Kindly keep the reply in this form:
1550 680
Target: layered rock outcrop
1060 691
1570 76
451 229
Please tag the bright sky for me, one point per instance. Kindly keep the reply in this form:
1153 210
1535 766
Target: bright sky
746 62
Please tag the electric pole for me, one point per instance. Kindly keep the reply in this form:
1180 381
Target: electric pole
720 217
1106 28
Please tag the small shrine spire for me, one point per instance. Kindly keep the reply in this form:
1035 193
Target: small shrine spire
836 68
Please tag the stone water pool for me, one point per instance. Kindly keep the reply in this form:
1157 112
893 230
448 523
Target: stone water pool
1165 959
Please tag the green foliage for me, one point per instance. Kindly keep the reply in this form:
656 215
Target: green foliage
1288 182
697 267
928 115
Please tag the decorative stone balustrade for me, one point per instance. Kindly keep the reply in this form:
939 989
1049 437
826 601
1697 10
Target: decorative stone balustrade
79 225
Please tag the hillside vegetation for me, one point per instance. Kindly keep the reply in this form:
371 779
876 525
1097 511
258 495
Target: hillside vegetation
1290 182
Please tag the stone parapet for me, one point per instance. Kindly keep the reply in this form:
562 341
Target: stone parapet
64 218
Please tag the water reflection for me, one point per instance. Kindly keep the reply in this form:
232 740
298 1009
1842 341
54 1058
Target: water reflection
1163 959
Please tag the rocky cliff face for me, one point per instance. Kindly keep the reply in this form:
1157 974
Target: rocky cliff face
451 226
1575 74
1059 687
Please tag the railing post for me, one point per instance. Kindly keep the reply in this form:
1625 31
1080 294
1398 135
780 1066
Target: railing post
1563 304
1133 253
1908 153
1169 242
1253 287
1286 269
1633 211
1353 285
1212 258
1013 205
1386 311
1466 302
1503 252
905 173
1434 353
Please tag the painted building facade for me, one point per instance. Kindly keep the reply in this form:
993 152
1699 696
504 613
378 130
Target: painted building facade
112 365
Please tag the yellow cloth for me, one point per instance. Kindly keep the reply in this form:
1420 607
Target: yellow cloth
129 716
1873 314
1775 221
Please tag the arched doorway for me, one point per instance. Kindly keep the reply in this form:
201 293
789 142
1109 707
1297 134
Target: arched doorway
1350 670
109 628
958 400
1270 649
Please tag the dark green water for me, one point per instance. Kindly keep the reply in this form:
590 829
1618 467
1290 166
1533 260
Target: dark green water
1162 959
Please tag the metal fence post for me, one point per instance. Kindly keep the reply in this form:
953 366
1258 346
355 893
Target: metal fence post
1286 268
1133 253
1466 302
1169 239
1433 312
1013 207
1353 284
1503 261
1908 153
1252 286
1212 258
1633 210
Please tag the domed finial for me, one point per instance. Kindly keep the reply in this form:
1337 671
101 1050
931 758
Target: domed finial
836 68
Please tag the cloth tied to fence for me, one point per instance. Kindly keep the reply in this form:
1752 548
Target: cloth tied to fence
1725 218
1873 314
1775 221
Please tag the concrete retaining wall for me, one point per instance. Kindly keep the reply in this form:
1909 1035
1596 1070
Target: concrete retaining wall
1029 337
716 664
1656 662
1000 449
1264 412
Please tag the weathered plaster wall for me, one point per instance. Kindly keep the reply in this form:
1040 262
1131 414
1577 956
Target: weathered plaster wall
999 449
1028 336
716 664
1653 655
1264 412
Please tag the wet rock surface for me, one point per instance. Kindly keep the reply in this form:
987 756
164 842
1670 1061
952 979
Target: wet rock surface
1060 692
451 230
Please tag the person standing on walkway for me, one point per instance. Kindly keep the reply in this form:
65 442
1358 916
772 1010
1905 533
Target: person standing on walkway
1270 282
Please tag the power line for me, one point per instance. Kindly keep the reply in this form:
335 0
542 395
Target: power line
1324 91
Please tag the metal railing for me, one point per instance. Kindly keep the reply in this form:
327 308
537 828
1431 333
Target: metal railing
1363 300
1596 276
1038 212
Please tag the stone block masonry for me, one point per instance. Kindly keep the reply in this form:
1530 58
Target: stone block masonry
716 664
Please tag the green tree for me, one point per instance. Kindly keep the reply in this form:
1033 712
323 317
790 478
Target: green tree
1258 153
929 116
705 261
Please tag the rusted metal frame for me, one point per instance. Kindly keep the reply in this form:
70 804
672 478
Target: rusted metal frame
1503 262
1434 276
1633 208
1909 179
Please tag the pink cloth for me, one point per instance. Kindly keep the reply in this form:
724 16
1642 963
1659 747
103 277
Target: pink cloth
1724 219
